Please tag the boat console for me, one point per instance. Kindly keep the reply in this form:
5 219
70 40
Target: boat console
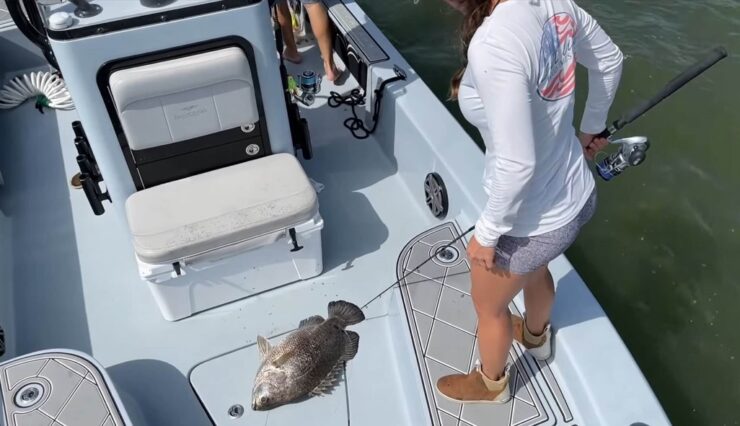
191 139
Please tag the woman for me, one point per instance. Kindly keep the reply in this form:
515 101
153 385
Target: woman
518 88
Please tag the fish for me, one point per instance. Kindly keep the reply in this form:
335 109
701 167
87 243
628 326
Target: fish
309 361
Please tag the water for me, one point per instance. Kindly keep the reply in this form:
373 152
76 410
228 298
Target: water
662 255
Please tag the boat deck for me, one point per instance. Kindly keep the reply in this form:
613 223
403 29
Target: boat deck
84 291
76 285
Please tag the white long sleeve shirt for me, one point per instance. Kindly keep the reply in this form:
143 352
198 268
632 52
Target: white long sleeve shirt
519 91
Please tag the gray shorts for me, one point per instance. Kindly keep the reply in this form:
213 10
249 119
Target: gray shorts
522 255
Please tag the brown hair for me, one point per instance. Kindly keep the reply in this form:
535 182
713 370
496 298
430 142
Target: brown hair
475 12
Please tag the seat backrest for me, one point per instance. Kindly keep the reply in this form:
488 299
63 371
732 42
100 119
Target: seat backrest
186 114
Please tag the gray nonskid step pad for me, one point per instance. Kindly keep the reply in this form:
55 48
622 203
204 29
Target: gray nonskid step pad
444 325
343 18
56 389
4 15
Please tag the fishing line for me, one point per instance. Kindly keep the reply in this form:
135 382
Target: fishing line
436 253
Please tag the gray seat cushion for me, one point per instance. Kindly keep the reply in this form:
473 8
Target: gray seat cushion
195 215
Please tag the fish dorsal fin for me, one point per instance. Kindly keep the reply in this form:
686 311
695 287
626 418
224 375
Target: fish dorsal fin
264 346
330 381
314 320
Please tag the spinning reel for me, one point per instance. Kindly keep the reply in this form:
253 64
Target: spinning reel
632 152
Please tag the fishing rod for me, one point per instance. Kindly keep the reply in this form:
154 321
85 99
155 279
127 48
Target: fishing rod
632 151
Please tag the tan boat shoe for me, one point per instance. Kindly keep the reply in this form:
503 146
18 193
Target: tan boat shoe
539 346
475 387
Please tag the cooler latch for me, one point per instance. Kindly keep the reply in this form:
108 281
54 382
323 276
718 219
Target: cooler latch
294 240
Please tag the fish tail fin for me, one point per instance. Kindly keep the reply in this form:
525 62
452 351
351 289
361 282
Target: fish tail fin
345 312
351 345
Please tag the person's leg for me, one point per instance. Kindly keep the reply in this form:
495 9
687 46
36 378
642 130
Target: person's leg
492 292
290 52
539 295
535 332
322 30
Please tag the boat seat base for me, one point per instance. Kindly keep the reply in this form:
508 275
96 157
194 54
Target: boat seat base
225 235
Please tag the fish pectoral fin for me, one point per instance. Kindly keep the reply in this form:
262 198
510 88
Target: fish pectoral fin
314 320
264 346
330 381
282 359
351 345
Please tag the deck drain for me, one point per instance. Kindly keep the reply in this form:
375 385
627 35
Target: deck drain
236 411
29 395
447 255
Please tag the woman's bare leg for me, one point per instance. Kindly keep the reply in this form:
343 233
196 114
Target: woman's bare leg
286 28
539 296
492 292
322 30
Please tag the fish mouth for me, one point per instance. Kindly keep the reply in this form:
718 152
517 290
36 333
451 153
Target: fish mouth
256 406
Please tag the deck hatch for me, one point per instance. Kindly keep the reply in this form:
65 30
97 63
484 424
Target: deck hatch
59 388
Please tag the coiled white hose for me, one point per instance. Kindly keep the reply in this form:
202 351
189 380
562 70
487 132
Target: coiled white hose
48 89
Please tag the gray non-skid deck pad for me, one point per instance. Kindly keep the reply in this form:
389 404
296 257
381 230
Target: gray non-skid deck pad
4 15
56 389
443 323
355 31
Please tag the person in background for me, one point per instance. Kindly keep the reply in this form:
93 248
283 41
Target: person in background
518 88
321 28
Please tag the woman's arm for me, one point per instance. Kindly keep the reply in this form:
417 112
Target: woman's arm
504 87
596 51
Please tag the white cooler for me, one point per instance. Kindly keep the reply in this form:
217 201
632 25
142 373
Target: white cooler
224 235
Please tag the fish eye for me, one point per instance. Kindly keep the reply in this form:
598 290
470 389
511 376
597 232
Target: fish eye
264 400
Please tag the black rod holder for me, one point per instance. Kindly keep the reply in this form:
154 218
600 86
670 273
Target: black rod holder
78 129
88 185
86 168
87 165
82 148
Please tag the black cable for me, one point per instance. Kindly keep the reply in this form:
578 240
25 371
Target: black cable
436 253
357 97
355 123
36 35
